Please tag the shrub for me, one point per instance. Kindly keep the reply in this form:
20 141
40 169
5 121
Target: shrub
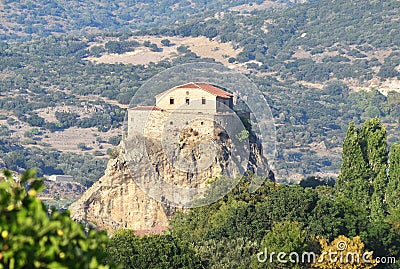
35 238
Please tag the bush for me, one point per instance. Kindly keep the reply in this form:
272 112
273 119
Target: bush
155 251
114 140
34 238
182 49
166 42
113 153
82 146
35 120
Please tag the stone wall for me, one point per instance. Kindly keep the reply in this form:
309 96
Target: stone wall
195 100
157 124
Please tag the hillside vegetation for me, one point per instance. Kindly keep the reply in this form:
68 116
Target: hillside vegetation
314 42
307 59
23 19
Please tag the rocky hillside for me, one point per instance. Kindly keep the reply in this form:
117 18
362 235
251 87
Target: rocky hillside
62 190
116 201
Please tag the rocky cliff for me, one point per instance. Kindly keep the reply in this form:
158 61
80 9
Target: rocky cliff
116 201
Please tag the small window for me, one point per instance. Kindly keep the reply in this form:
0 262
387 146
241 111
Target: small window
187 93
171 101
202 123
187 101
171 123
203 101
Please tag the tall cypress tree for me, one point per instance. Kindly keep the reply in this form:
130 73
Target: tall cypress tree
374 146
353 181
378 205
363 174
393 187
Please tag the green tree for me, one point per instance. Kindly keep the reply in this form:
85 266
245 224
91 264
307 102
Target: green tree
35 120
393 187
166 42
374 146
182 49
353 180
363 174
114 140
286 237
336 88
153 251
35 238
314 182
227 252
114 47
332 217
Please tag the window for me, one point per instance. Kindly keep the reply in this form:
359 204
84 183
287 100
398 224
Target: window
187 101
203 101
171 101
187 93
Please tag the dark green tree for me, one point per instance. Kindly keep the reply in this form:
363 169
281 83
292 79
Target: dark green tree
153 251
227 253
166 42
35 120
393 187
363 174
353 180
374 145
284 237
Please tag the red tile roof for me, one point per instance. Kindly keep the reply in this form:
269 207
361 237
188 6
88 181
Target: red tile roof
147 108
208 88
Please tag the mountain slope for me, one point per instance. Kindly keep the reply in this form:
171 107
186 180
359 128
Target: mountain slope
42 18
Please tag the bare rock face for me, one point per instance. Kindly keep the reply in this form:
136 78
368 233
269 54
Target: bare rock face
116 201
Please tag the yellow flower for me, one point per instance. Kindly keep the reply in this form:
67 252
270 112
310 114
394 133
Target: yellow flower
62 255
60 232
4 234
32 192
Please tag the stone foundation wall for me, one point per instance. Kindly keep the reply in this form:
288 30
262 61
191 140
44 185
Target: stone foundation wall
157 124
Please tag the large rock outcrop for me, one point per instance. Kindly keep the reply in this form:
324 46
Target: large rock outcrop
116 201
